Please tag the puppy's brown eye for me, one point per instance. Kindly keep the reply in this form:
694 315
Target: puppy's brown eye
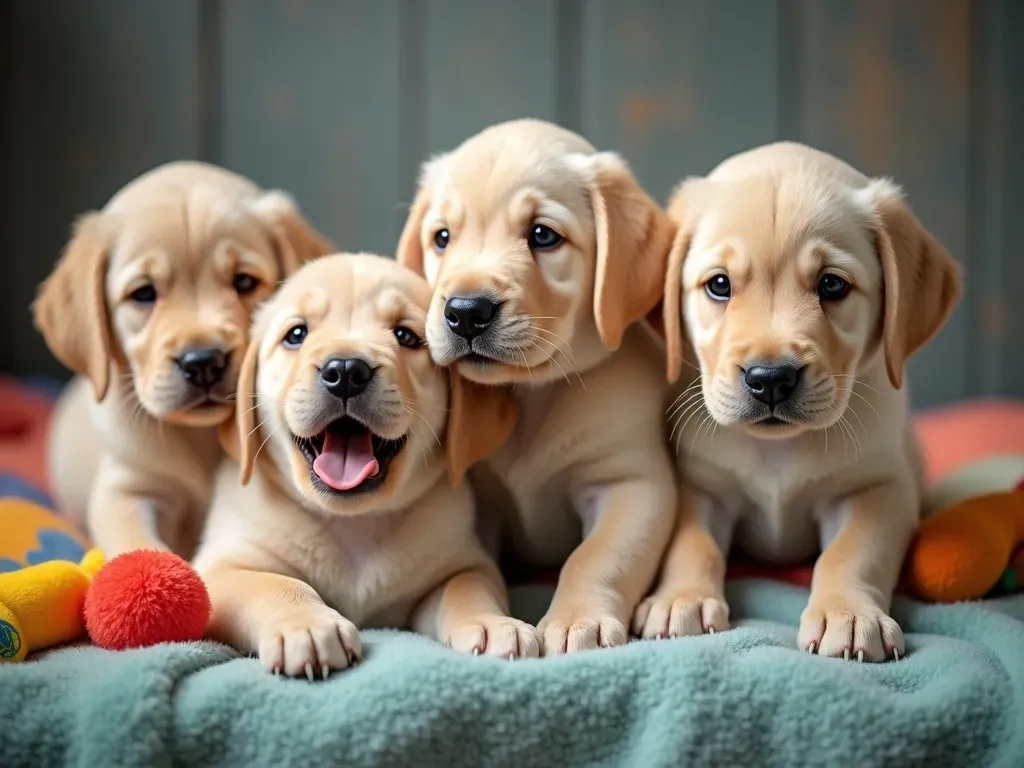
245 284
441 238
144 294
542 238
832 288
295 336
718 288
407 338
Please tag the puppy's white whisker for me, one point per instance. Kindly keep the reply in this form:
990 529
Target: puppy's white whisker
419 415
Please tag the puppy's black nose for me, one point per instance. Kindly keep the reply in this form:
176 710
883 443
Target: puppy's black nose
202 368
772 383
469 316
346 377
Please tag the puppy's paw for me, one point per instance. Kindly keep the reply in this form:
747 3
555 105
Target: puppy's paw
679 614
851 627
571 632
309 642
495 635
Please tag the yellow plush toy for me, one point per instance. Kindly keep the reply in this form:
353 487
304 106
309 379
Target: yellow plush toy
41 605
44 573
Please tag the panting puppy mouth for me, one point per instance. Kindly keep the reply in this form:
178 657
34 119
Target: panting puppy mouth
346 457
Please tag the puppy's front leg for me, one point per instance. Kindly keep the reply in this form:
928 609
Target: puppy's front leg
610 571
469 612
865 538
280 618
690 597
123 515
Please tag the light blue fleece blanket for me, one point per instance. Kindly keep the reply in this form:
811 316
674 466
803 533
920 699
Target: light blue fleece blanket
738 698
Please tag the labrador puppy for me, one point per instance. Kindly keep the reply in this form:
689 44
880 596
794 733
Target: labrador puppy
543 253
151 305
345 515
803 287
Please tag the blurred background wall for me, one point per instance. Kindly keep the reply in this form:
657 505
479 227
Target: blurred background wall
339 101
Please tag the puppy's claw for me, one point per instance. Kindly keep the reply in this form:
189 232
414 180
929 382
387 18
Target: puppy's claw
895 655
511 656
811 649
277 671
846 654
711 630
476 651
309 672
860 657
325 670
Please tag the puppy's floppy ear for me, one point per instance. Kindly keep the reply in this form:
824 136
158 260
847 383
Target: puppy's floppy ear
633 237
676 342
295 239
922 281
70 309
480 420
239 437
410 244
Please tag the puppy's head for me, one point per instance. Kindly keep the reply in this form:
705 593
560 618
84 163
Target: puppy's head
338 390
541 251
159 288
794 275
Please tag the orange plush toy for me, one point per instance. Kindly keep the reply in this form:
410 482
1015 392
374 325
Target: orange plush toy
966 550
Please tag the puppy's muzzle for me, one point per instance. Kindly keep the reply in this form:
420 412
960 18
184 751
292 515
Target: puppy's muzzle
773 382
346 377
469 316
203 367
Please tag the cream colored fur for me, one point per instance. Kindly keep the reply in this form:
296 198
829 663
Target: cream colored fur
133 446
587 470
842 478
293 567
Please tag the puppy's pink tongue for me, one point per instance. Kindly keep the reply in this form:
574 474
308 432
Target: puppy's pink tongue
346 461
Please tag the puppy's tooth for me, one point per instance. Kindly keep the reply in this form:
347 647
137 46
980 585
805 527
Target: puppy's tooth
309 671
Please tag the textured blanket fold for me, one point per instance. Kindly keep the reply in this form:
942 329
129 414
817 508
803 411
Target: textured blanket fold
741 697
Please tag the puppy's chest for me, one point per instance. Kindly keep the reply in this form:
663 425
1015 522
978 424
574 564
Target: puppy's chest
374 570
771 495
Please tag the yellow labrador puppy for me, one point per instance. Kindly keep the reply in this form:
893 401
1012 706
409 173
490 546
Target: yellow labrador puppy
804 286
349 518
151 304
542 253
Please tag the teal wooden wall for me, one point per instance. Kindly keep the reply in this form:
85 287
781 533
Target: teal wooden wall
339 100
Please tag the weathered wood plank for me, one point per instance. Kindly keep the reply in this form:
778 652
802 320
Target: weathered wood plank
310 104
98 91
885 87
678 85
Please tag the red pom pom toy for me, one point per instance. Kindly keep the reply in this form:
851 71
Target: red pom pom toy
143 598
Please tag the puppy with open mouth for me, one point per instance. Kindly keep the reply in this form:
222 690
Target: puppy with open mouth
351 510
150 304
543 254
803 287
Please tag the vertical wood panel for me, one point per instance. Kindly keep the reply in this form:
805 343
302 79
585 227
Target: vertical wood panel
996 310
311 105
97 93
1011 104
486 63
677 85
885 87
